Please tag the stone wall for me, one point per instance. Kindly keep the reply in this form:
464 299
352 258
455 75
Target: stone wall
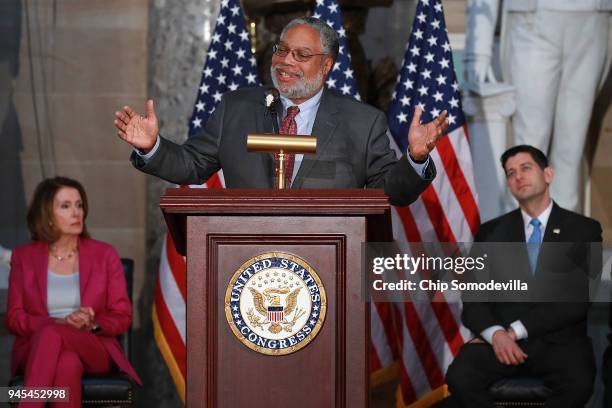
79 62
74 63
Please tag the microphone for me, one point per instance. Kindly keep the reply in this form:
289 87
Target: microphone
273 104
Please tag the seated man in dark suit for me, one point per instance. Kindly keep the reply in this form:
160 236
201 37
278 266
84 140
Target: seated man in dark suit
542 338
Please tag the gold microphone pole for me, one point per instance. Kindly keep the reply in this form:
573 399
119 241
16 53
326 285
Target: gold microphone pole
281 144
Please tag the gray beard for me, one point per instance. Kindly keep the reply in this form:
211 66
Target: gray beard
302 89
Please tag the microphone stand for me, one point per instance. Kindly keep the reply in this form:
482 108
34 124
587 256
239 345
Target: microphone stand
275 109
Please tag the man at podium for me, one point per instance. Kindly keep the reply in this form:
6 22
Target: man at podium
353 146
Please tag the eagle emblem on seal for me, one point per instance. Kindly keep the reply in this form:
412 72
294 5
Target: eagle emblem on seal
275 303
268 304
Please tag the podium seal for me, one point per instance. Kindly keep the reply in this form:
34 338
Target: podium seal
275 303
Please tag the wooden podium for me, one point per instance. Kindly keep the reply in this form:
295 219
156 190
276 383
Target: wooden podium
218 230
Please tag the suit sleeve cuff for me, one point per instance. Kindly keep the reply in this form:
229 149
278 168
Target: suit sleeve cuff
519 329
147 157
420 168
487 334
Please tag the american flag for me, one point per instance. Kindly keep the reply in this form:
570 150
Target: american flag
342 77
413 324
229 65
430 333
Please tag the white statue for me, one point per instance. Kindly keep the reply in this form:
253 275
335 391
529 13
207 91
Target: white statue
556 55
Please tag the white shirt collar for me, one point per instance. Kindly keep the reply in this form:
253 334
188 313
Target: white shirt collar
543 217
312 103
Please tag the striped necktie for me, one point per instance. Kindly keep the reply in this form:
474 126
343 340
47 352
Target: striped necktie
289 127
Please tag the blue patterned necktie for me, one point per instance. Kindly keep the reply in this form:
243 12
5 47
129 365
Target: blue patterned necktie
533 243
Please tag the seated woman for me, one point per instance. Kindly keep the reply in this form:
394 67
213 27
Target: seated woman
67 298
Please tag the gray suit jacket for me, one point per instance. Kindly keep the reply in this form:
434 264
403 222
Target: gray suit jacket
352 150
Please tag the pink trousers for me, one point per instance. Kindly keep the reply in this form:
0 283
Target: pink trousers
59 355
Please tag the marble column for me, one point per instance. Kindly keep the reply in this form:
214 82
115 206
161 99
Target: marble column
179 35
488 114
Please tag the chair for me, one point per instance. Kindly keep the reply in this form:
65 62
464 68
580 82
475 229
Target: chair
512 392
520 391
113 389
524 391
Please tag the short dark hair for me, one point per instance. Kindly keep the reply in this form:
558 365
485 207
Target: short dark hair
329 38
536 154
40 211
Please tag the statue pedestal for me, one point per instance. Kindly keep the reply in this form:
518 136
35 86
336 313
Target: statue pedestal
488 115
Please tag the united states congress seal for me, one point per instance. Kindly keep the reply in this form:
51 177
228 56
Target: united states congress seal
275 303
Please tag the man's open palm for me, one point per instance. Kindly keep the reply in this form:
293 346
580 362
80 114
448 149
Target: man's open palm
422 137
139 131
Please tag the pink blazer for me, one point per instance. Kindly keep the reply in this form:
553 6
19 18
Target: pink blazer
102 285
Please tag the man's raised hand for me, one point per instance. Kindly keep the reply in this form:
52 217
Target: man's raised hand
139 131
422 137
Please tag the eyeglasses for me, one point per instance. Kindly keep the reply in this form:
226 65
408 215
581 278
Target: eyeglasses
298 55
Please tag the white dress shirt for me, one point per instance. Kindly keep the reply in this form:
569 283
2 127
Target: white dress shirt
519 328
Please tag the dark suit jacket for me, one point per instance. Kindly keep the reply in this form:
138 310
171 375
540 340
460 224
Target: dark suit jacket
102 285
352 150
575 261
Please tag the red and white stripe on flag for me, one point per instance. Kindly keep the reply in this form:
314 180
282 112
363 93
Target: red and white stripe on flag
169 308
430 334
